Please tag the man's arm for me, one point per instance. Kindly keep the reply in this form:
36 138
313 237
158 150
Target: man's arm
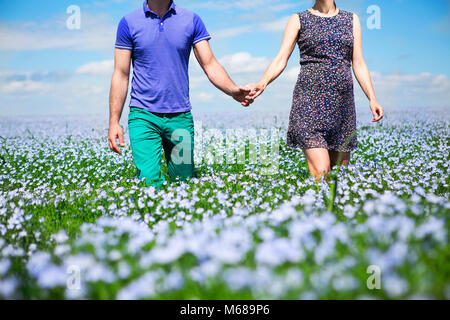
217 74
117 97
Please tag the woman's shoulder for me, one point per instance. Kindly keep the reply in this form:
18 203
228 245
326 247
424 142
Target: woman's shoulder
347 13
303 13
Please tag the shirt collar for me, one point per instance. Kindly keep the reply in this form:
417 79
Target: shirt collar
147 9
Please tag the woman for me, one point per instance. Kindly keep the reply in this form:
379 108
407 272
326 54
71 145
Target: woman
323 117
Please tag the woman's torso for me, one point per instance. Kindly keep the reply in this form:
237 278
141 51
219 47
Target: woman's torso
326 50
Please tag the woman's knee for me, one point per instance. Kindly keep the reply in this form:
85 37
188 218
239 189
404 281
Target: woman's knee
319 171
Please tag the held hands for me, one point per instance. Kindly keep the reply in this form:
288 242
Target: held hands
247 95
377 111
256 90
115 132
241 94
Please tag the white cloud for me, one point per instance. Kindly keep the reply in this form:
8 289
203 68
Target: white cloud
226 4
277 25
204 97
50 76
26 87
424 82
271 26
231 32
244 62
99 68
291 74
422 89
96 33
248 5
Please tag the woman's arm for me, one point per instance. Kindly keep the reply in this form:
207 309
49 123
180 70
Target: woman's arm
278 64
362 73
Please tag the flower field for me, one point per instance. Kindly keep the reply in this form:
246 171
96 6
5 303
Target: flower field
75 222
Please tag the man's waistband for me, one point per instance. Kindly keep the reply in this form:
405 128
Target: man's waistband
169 115
162 115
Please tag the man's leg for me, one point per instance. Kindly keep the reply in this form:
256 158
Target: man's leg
145 136
178 143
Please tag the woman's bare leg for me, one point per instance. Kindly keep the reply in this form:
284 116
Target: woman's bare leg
343 156
318 162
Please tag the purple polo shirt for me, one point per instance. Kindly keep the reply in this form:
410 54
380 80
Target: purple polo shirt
161 48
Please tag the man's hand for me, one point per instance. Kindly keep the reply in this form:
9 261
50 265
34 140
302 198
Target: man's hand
115 132
241 94
117 96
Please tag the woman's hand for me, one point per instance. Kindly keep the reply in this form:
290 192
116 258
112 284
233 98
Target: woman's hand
241 95
257 90
377 111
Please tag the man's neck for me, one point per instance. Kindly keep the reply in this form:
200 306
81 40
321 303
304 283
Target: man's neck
160 7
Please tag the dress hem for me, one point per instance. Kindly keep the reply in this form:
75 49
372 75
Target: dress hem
297 146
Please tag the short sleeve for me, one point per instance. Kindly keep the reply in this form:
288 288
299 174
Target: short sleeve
200 32
124 39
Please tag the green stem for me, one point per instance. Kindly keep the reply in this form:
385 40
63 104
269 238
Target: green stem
334 186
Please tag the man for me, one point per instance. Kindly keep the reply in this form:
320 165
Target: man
158 39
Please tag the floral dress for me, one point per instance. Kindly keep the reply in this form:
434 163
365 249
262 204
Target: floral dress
323 109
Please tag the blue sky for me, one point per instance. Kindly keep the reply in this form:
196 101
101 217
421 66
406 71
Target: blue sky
46 68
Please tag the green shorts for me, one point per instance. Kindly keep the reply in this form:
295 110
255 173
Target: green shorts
150 132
